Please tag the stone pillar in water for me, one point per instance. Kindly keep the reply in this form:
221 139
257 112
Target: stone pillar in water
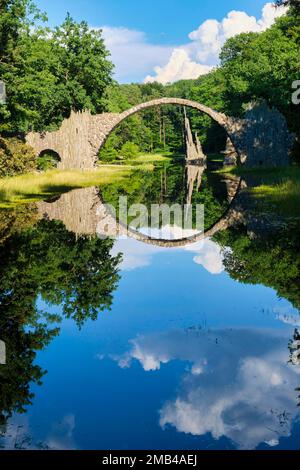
2 353
194 175
194 150
2 92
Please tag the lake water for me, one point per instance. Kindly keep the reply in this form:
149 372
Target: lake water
122 344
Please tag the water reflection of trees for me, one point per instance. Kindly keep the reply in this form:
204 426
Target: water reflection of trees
168 184
268 258
46 261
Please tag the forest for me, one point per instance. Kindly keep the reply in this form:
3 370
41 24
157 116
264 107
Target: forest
50 72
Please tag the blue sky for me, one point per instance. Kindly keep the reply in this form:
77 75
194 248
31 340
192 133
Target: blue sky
144 35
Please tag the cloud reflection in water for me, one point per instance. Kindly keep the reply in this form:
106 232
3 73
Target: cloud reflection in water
238 384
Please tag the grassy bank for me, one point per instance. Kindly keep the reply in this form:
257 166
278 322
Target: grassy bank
284 196
149 159
145 160
33 187
277 188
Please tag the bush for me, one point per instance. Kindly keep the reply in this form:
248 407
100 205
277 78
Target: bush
129 150
48 160
16 157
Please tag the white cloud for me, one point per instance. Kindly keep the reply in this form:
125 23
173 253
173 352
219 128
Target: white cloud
61 437
239 386
209 255
287 315
179 67
136 254
20 434
202 52
134 56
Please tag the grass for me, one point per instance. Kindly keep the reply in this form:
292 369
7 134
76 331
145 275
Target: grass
280 172
33 187
279 188
28 188
146 161
284 197
150 158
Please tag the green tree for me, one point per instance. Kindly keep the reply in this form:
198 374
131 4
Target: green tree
15 157
129 150
16 17
288 3
52 262
263 66
84 66
48 72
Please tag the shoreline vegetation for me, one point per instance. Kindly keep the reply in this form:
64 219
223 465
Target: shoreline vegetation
277 189
24 189
48 72
32 187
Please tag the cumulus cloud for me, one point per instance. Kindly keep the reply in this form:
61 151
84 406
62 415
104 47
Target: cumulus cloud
61 437
21 435
287 315
179 67
202 52
238 385
135 254
208 254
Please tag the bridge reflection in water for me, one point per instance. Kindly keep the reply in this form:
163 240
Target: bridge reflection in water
84 212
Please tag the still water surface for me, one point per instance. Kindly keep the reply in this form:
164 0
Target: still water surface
197 351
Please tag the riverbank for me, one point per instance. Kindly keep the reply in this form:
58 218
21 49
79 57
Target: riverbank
30 187
143 159
276 188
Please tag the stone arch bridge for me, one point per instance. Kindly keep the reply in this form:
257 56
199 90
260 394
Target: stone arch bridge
261 138
82 135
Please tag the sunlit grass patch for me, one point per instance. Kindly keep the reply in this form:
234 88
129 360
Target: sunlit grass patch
143 161
33 187
278 188
150 158
283 196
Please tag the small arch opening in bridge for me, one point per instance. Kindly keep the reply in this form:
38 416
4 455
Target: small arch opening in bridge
48 159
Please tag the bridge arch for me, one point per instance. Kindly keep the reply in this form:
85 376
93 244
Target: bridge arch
81 136
225 122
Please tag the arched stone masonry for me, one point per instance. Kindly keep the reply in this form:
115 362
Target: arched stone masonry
82 135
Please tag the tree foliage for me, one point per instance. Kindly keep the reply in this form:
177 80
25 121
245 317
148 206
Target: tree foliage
272 260
15 157
48 72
